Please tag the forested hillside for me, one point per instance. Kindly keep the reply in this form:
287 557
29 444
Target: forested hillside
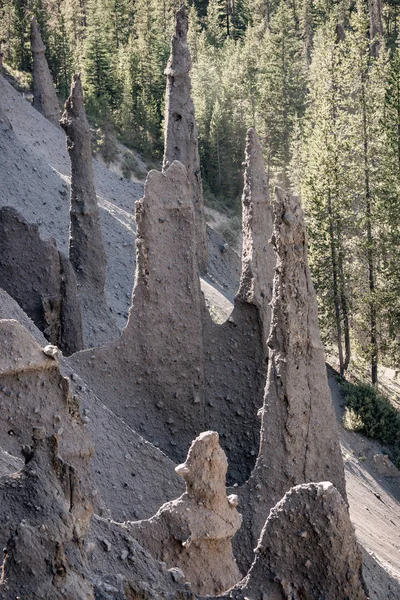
320 81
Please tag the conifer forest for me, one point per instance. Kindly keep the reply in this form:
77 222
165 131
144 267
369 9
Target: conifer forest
320 82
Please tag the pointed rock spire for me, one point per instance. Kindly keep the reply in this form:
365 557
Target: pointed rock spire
181 140
44 94
153 377
86 246
299 434
86 249
258 258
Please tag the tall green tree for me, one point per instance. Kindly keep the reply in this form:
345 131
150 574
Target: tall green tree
325 190
282 81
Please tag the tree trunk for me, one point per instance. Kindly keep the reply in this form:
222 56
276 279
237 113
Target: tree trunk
370 249
336 295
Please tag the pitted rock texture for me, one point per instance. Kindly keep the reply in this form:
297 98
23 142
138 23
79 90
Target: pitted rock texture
41 280
235 373
307 549
153 376
236 352
34 394
299 434
44 531
122 459
44 93
86 247
194 532
181 139
258 258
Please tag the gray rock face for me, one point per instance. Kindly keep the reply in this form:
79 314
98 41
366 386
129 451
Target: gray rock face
86 247
153 376
34 394
44 93
236 352
175 370
258 258
41 280
299 434
307 549
235 370
194 532
181 142
45 530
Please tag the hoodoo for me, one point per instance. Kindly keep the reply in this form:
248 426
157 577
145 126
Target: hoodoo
258 258
237 350
44 93
194 532
86 246
299 434
153 377
307 549
181 140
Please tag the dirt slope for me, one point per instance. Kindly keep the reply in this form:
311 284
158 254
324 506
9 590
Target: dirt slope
35 178
374 499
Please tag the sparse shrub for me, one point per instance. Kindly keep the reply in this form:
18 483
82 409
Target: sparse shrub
352 421
371 413
108 147
130 166
231 230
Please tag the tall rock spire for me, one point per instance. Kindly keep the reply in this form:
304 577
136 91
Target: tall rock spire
86 247
299 435
153 377
44 94
258 259
181 141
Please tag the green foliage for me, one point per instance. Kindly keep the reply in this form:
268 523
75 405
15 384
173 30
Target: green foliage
377 418
130 166
281 79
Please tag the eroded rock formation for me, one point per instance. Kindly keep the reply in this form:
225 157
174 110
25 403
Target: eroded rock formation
153 376
45 530
41 280
307 549
258 258
44 93
299 434
34 394
86 247
194 532
181 142
236 352
235 367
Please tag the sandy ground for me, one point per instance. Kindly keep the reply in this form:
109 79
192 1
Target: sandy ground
34 179
374 500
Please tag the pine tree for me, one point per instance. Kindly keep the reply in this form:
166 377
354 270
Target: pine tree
101 86
282 82
324 189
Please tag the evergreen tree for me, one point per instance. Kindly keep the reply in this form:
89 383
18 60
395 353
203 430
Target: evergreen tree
282 82
101 86
325 191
